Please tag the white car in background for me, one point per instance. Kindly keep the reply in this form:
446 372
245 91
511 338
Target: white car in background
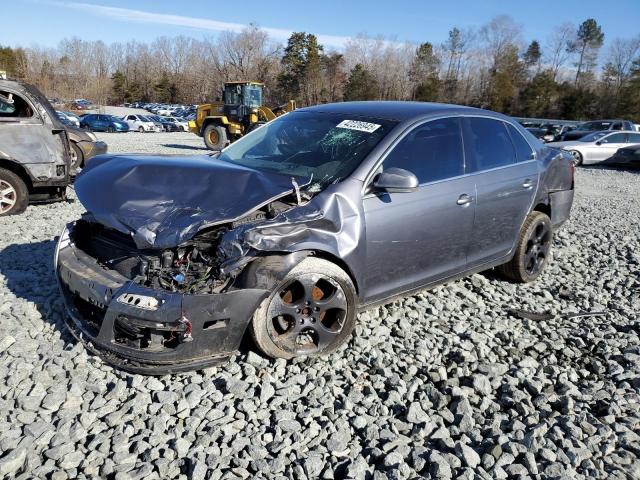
598 146
141 123
181 122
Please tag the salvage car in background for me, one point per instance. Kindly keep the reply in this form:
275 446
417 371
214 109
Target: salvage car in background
291 229
84 145
598 146
34 149
627 157
103 123
586 128
69 119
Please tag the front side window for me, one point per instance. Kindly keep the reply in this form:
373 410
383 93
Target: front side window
432 151
615 138
486 144
594 126
592 137
523 149
321 147
14 106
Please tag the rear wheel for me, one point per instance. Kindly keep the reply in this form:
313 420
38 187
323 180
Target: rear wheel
532 250
14 195
577 157
77 157
311 312
215 137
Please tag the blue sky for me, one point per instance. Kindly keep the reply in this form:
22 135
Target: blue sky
45 22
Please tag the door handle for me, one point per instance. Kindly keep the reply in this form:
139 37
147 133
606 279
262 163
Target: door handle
527 184
464 199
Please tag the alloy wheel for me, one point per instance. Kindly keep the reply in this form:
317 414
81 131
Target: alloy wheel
8 196
537 249
307 314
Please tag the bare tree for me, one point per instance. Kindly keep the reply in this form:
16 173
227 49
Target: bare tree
556 50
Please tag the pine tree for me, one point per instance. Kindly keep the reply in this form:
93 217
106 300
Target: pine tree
361 85
589 39
119 87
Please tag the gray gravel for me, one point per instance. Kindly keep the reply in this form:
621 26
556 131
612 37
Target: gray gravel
443 384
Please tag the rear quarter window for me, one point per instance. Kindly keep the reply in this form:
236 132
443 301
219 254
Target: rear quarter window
524 151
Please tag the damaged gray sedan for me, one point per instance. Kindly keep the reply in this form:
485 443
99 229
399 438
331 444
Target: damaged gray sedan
290 230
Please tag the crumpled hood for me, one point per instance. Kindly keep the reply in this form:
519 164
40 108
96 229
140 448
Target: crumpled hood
164 200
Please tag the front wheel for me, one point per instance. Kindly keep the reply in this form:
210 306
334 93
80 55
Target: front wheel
532 250
577 157
141 129
215 137
14 195
311 312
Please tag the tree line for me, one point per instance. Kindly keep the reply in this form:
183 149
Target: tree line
567 75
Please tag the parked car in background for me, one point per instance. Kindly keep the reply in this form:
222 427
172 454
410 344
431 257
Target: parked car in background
597 146
34 149
181 123
141 123
585 128
626 157
69 118
165 124
363 202
541 134
99 122
84 145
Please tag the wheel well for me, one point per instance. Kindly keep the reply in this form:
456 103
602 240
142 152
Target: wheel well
339 262
543 208
211 121
18 170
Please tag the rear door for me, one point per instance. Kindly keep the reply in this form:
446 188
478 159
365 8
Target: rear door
422 236
506 180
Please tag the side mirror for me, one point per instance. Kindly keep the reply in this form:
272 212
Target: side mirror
396 180
598 142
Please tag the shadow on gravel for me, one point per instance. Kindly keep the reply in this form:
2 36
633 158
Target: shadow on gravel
28 270
183 147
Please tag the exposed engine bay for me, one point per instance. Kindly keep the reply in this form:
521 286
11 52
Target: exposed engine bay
192 267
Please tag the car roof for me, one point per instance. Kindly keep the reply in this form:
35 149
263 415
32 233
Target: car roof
398 110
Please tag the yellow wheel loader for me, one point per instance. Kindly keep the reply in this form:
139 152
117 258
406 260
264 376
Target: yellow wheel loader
241 111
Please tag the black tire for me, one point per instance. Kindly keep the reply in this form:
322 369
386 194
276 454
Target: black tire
14 194
215 137
311 312
77 157
532 250
141 129
110 130
577 157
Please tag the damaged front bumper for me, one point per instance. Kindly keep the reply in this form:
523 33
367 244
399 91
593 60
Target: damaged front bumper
148 330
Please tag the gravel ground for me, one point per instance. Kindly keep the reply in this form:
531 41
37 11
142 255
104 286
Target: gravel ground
443 384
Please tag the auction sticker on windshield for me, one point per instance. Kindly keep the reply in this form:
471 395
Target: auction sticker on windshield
357 125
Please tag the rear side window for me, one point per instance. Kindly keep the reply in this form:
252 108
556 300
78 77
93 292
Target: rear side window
524 151
432 151
486 144
634 138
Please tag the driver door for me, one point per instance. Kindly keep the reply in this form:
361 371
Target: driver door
422 236
609 145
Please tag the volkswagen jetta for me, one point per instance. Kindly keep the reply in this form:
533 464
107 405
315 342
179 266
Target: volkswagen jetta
290 230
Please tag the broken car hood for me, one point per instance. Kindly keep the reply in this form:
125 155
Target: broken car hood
164 200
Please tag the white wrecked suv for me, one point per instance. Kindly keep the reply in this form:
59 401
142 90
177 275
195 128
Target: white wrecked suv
34 149
290 230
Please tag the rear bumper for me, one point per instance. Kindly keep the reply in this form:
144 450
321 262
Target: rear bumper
561 203
183 332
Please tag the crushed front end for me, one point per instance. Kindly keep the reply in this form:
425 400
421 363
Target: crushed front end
153 311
